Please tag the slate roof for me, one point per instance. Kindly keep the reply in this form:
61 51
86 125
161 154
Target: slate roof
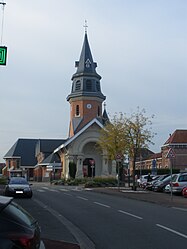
53 157
178 137
24 148
86 65
47 146
27 149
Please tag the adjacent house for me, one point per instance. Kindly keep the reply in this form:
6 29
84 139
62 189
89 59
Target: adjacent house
27 154
21 159
173 153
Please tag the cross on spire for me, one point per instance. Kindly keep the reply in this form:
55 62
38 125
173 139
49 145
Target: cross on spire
85 26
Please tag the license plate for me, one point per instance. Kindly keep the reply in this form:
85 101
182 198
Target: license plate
19 192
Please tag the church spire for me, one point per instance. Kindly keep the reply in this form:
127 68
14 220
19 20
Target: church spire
86 81
86 65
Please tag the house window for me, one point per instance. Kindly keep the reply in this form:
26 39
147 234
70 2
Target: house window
78 85
9 164
77 110
88 85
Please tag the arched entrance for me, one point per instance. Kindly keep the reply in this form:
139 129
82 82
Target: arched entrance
89 167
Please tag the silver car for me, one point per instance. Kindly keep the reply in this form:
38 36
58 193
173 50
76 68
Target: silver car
179 182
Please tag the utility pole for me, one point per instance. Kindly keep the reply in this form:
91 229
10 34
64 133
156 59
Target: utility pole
3 49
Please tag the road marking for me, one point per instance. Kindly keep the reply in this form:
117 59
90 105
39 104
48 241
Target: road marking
63 190
82 239
45 187
101 204
67 194
40 190
53 190
82 198
77 189
135 216
173 231
181 209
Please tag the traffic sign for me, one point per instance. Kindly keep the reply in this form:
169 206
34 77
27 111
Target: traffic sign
3 55
92 162
170 154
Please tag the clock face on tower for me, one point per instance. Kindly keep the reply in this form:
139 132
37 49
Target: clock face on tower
89 106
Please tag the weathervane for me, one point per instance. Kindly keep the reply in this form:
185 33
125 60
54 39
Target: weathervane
85 26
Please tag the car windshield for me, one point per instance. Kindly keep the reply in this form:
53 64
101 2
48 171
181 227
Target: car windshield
17 180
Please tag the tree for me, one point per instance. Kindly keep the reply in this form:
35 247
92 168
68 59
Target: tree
112 137
127 136
138 135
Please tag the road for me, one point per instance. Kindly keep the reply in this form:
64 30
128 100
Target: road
101 221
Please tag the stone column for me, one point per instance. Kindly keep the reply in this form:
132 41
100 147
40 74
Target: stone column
69 159
114 168
79 173
105 171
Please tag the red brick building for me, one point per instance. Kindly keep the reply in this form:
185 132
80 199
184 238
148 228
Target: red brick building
177 142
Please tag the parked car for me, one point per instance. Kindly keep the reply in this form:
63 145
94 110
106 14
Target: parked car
18 186
167 188
160 185
184 192
7 244
143 179
17 226
150 185
179 182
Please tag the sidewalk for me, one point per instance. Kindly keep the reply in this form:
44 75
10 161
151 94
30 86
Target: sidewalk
148 196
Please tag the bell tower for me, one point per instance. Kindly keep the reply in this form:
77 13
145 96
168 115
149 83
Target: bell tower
86 97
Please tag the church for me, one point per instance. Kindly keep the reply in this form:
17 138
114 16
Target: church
87 118
41 158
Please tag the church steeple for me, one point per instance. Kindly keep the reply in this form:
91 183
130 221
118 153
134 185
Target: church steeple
86 81
86 65
86 97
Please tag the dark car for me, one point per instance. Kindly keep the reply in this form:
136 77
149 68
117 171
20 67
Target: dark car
160 185
18 186
150 185
7 244
18 228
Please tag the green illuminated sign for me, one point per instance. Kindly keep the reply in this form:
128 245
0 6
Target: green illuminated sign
3 55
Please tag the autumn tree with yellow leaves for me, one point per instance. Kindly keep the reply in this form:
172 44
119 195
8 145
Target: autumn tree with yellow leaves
127 135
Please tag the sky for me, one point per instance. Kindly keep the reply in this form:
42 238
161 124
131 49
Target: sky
140 47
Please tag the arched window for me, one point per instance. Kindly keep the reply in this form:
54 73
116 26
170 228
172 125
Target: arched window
77 110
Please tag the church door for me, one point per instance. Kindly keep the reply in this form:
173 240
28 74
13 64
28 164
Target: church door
89 167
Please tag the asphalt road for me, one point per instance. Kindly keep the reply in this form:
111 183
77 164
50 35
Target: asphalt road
105 221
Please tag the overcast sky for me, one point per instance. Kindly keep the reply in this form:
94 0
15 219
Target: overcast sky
140 47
